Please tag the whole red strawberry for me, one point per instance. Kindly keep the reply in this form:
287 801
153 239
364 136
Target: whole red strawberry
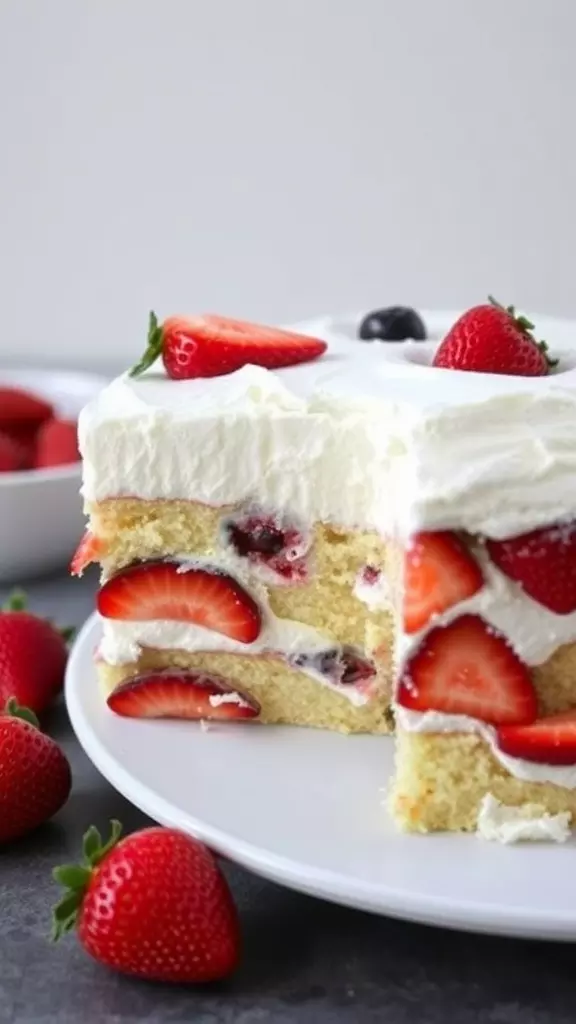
56 444
35 776
20 408
13 455
210 346
33 656
154 905
493 339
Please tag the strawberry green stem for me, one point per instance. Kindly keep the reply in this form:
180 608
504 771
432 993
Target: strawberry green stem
14 710
76 877
153 347
526 327
17 602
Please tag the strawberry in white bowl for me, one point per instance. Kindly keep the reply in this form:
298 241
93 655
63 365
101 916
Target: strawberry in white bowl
40 470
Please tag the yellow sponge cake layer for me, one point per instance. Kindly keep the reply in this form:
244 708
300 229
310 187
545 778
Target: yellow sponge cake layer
441 781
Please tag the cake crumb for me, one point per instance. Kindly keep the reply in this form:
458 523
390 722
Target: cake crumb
204 725
529 822
217 699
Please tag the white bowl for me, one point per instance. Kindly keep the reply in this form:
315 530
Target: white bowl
41 518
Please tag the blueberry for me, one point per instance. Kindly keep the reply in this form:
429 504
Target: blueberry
396 323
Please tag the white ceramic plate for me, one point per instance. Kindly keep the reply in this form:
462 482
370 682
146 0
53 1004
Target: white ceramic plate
304 808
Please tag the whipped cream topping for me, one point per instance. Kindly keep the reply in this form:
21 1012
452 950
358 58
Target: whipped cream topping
527 771
369 435
500 823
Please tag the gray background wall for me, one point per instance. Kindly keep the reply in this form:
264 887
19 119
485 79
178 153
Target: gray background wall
278 158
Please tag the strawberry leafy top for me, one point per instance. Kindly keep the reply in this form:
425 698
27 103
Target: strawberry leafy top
76 878
153 347
526 327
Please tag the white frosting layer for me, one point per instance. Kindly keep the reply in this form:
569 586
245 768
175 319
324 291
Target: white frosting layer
368 435
122 642
503 824
528 771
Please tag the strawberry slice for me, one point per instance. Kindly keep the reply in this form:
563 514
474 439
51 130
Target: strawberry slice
211 346
439 573
468 668
175 693
550 740
18 407
88 551
543 562
169 590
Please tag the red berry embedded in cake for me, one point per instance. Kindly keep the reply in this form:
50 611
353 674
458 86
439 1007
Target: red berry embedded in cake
175 693
355 669
19 407
370 575
468 668
181 593
493 339
550 740
271 542
256 536
439 573
88 551
543 562
341 666
211 346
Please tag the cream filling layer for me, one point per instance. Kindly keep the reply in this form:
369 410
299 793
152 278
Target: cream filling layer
527 771
122 642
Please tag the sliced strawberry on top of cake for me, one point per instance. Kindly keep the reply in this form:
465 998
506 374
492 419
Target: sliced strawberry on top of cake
211 346
468 668
439 572
181 593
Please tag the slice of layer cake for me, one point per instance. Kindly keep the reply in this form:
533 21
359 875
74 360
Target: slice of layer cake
295 535
238 536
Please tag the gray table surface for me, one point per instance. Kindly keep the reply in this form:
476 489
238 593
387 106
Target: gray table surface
305 961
